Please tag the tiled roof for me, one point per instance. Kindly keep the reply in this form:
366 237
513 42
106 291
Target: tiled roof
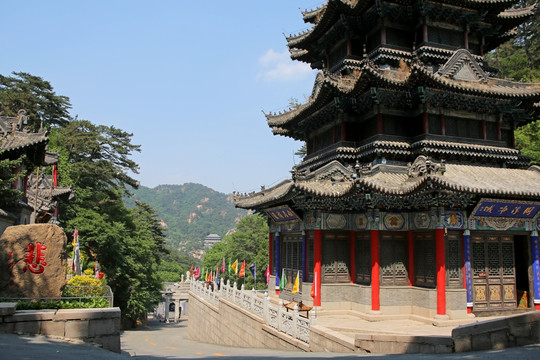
19 140
518 13
491 181
461 74
324 17
468 149
47 193
336 180
51 158
14 136
266 196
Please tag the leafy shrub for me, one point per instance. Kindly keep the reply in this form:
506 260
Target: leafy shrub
91 303
84 286
88 272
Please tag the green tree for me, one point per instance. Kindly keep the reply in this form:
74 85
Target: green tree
519 59
9 196
248 243
37 97
302 152
95 156
128 243
528 140
95 161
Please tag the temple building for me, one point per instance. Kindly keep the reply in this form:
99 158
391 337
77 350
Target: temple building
40 191
412 197
211 239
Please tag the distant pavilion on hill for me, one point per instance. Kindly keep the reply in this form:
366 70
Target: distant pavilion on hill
211 239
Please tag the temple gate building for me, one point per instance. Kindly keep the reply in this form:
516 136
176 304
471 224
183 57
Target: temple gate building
412 197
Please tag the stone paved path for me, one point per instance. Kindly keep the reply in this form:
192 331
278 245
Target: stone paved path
170 341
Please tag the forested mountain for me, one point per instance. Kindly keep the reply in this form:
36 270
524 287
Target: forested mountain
190 212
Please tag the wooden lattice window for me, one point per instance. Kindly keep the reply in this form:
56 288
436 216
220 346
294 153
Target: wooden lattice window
454 260
291 257
394 258
363 257
335 256
424 258
310 253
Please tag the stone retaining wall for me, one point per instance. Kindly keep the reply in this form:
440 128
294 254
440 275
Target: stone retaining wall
225 323
513 331
100 326
230 325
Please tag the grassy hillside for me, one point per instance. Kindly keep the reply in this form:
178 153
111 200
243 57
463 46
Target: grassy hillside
190 212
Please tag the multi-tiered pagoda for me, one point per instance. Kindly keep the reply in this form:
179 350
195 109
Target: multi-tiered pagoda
412 197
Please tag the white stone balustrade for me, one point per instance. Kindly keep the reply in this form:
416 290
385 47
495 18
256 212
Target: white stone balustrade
278 318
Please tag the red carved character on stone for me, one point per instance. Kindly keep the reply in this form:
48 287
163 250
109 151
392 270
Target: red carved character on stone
35 258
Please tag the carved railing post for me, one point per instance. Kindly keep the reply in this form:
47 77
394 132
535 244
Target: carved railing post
266 312
279 312
295 322
313 316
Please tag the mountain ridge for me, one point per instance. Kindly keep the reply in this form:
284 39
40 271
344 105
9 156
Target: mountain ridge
189 212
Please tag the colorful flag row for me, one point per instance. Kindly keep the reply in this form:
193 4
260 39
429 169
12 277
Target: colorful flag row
232 268
283 282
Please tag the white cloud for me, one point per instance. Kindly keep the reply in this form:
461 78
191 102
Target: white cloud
278 67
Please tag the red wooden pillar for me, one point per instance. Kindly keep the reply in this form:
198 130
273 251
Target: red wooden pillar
317 257
425 123
375 287
55 176
512 136
411 258
424 33
484 129
380 127
327 61
441 271
443 125
465 255
352 240
270 249
15 184
343 131
25 189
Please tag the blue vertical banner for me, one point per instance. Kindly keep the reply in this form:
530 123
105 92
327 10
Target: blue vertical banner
468 274
536 266
277 259
304 256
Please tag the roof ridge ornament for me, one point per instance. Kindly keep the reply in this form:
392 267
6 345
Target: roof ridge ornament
425 166
534 168
463 66
22 119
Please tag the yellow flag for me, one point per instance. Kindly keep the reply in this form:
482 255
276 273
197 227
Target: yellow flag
234 266
296 283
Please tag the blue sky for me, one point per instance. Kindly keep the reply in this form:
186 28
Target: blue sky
189 79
